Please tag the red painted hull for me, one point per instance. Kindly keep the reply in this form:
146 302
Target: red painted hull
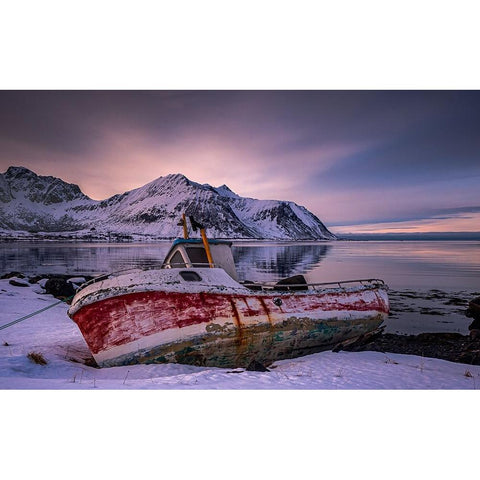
224 329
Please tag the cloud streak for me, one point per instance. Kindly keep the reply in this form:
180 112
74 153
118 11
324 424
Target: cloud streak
436 224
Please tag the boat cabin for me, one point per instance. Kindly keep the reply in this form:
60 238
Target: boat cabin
190 252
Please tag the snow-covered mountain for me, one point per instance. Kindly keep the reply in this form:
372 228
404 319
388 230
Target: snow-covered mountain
33 203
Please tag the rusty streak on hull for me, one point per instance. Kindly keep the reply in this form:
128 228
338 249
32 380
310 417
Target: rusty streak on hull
227 330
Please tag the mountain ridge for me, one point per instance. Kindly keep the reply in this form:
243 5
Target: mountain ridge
34 203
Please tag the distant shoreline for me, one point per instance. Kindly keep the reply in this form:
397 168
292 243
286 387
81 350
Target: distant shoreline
74 237
430 236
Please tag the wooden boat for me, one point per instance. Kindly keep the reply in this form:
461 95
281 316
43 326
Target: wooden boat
194 310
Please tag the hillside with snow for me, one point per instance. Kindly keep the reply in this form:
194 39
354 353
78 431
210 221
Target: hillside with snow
35 204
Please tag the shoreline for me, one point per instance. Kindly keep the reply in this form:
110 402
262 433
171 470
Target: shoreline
453 347
65 360
437 316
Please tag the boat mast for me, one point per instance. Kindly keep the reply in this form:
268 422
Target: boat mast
207 247
184 223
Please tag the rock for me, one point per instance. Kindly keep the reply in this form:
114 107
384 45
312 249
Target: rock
18 284
36 279
473 310
474 333
59 287
77 280
12 274
255 366
450 346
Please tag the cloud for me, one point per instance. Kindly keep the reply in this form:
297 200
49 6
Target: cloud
453 223
350 157
130 159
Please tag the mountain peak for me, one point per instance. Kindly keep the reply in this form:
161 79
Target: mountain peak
32 202
18 171
22 182
176 176
224 191
181 179
173 179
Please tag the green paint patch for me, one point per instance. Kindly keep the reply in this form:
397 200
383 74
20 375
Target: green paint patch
229 347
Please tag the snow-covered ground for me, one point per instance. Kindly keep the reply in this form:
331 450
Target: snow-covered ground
53 335
292 422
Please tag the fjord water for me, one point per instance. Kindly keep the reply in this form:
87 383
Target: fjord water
445 265
412 269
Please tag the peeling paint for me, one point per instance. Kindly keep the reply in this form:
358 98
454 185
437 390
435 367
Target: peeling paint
155 316
223 329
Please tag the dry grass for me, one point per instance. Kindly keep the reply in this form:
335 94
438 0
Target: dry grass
37 357
389 360
469 374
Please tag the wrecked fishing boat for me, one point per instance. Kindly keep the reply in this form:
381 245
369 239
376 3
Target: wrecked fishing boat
194 310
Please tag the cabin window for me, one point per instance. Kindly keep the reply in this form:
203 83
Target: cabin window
198 256
190 276
177 261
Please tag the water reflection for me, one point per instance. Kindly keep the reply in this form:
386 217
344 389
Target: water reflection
450 265
274 262
254 261
411 264
78 258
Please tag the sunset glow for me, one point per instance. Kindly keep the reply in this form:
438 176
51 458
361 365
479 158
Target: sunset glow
362 161
457 223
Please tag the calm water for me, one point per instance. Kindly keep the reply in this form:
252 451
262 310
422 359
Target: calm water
444 265
410 268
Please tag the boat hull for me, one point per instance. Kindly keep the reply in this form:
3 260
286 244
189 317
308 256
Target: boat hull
224 329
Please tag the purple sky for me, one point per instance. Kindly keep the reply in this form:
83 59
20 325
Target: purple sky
360 160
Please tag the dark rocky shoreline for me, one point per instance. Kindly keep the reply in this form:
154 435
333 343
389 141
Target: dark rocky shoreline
453 347
446 345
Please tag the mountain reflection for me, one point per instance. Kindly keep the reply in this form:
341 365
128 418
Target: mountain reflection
419 265
254 262
274 262
86 259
